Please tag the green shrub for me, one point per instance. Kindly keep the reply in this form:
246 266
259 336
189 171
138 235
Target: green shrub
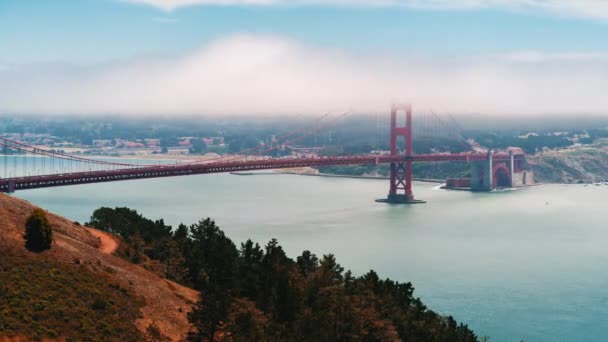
38 232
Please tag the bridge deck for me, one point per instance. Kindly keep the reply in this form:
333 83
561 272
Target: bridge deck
86 177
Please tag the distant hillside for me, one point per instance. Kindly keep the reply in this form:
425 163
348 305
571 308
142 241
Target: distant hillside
574 165
76 291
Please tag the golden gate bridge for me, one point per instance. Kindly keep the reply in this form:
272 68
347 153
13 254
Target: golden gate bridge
488 170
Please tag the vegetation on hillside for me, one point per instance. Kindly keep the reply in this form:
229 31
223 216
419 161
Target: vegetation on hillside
530 143
38 232
258 293
577 165
43 297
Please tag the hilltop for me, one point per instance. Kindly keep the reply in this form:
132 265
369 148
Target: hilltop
78 289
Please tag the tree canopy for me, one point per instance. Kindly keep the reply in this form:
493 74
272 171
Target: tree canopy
259 293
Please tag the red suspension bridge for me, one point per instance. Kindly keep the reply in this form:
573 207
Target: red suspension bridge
488 170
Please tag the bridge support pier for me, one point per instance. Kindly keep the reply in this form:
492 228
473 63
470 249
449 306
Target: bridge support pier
511 168
11 186
481 174
400 191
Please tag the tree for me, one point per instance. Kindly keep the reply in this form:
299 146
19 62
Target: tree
238 143
175 262
246 322
213 265
210 311
138 232
138 244
198 146
258 293
249 269
307 263
166 142
38 232
331 271
277 296
212 256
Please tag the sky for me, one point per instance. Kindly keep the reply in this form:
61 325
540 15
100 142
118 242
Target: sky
283 57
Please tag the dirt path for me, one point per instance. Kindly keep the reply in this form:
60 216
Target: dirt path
108 243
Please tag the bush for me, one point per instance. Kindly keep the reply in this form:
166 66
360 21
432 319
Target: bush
38 232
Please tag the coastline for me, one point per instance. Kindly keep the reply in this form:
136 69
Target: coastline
329 175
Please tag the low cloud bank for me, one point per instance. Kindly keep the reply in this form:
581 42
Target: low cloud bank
250 74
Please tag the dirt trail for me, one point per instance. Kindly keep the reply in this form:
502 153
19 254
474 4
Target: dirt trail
164 303
107 243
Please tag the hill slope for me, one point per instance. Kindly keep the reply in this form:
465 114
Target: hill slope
78 274
573 165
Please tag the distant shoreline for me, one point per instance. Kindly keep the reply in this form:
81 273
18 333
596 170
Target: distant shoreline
329 175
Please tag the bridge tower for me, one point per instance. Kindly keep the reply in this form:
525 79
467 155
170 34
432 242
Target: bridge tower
481 174
489 174
400 191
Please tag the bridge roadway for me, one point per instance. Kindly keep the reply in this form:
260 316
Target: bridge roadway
99 176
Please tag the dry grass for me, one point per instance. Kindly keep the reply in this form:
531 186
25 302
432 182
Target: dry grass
166 303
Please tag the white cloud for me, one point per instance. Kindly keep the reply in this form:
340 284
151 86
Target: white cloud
580 8
248 74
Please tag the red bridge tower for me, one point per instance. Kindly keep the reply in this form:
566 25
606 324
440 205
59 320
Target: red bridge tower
400 191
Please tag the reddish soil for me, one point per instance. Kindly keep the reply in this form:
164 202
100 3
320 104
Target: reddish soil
108 243
166 303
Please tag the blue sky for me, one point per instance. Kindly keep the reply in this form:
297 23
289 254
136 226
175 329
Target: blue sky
81 44
87 31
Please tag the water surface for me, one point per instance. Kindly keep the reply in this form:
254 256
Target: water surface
519 265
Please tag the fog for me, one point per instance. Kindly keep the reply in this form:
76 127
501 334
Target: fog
273 75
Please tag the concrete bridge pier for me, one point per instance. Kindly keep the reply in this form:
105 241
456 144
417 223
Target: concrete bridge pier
511 168
11 186
481 174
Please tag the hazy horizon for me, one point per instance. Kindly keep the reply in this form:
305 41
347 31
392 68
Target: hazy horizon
467 121
302 57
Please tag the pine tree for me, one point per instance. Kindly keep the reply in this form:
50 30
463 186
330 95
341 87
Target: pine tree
214 269
38 232
210 311
175 262
307 263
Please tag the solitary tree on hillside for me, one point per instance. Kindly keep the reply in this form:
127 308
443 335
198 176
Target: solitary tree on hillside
38 232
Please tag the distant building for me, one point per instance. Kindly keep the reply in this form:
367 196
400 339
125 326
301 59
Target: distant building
186 141
152 142
515 150
119 143
527 135
132 144
102 143
380 152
